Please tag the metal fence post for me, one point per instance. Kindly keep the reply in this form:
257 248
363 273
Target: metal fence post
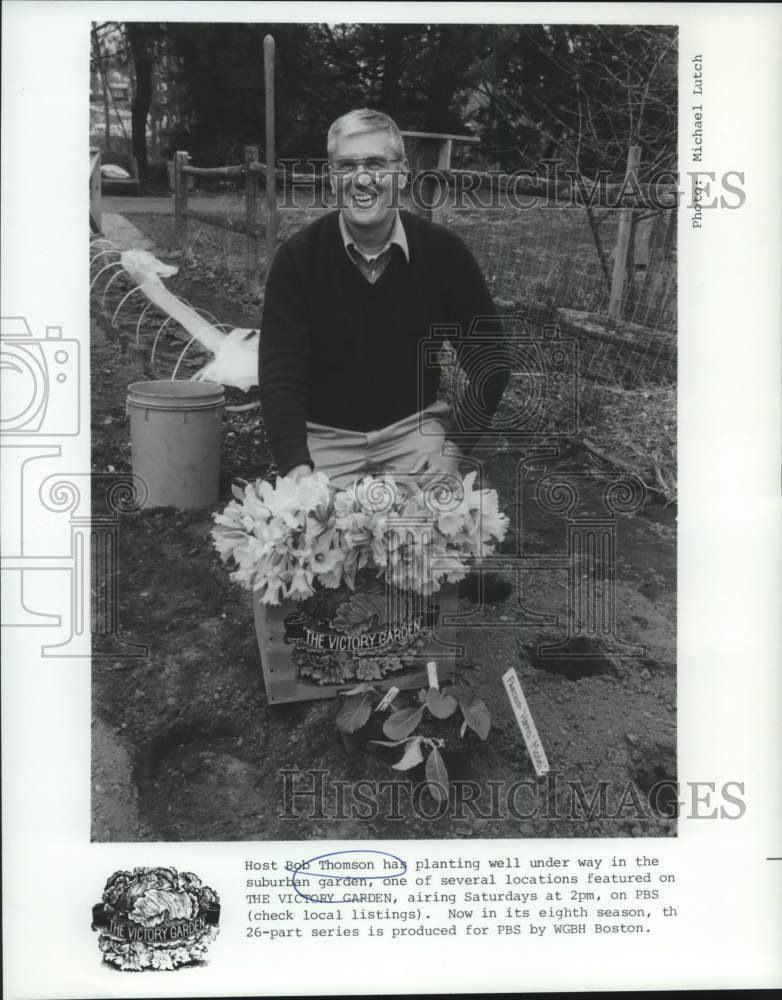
623 240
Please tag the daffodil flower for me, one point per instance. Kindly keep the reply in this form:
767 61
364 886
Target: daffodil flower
287 537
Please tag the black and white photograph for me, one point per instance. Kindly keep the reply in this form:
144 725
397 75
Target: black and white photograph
390 424
384 327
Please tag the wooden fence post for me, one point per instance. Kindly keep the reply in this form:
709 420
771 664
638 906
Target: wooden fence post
271 157
623 240
95 207
443 163
426 158
180 197
251 193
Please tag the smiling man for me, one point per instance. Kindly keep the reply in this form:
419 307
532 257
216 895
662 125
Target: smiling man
348 301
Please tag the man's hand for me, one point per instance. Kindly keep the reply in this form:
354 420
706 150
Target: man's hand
298 472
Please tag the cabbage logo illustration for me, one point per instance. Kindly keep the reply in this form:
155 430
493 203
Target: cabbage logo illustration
155 918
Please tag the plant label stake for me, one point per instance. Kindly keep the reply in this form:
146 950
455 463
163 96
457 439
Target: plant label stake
526 723
431 670
387 698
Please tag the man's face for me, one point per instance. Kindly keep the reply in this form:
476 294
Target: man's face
368 193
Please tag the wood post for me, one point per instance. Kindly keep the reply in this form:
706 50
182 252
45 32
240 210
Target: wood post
95 205
251 195
444 151
623 239
271 156
180 197
430 164
427 159
444 154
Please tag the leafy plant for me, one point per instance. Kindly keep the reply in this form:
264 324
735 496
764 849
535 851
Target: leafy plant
401 725
476 714
355 712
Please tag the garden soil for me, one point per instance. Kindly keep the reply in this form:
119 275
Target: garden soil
185 744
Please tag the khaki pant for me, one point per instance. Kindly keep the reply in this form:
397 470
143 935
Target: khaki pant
398 448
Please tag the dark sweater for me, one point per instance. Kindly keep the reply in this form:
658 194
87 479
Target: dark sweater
338 350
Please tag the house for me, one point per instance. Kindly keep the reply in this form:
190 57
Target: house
119 87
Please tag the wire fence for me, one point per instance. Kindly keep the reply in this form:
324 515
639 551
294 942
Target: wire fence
543 266
546 263
608 274
550 264
547 256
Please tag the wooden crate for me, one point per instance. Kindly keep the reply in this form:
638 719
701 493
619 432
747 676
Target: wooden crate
281 675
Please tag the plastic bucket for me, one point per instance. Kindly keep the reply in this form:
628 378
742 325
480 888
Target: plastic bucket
175 431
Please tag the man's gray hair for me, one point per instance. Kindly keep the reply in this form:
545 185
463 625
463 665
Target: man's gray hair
361 120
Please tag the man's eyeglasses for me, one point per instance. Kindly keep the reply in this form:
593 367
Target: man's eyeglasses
376 166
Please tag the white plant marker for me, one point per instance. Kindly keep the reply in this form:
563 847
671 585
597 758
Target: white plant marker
387 698
431 670
526 723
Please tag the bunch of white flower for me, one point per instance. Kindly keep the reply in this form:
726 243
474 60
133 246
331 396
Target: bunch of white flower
281 537
434 534
286 537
